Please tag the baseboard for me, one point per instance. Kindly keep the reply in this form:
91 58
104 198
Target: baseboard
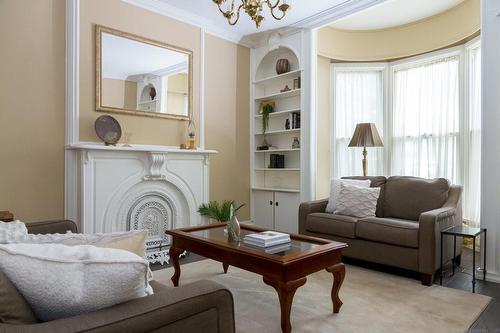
491 276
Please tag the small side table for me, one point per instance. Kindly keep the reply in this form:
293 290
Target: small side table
461 231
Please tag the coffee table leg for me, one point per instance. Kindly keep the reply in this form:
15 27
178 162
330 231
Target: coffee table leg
225 267
174 255
338 272
286 291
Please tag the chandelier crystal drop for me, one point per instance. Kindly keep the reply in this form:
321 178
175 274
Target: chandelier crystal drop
253 8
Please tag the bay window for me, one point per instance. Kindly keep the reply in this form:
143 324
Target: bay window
428 112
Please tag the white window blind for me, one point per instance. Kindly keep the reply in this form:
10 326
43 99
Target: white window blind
425 118
472 140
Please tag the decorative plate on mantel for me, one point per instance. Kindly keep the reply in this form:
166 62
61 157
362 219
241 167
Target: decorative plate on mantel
108 129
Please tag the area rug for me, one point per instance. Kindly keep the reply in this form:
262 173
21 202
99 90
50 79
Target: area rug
373 302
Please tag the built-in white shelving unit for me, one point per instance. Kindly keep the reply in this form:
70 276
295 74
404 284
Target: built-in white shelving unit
276 191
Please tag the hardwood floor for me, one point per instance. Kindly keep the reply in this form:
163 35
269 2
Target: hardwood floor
489 321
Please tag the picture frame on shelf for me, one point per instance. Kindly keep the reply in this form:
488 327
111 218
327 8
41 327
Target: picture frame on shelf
296 83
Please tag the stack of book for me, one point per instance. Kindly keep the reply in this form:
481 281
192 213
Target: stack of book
271 241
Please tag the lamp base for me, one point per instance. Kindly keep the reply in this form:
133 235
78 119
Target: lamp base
365 162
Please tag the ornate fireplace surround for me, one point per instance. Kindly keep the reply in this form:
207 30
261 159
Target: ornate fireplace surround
142 187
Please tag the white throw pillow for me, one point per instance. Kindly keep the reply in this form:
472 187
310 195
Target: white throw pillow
12 232
357 201
335 191
60 281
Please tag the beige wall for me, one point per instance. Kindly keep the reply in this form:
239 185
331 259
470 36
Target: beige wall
125 17
32 108
227 121
119 93
323 128
423 36
177 88
32 101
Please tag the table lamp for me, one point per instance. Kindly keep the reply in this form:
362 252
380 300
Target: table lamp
365 135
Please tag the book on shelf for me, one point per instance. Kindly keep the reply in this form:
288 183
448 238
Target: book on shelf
266 239
295 120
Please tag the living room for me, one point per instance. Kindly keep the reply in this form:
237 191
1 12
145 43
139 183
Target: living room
249 166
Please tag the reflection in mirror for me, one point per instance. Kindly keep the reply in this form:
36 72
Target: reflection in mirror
142 76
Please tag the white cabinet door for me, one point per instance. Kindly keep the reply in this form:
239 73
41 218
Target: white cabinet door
263 209
286 212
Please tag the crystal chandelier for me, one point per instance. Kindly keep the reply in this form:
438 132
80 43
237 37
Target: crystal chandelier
253 8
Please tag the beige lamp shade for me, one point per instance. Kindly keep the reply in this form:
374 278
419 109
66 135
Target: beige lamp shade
366 135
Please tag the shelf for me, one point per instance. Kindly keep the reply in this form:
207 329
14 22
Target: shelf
279 113
280 95
149 102
295 130
278 150
277 169
280 76
276 189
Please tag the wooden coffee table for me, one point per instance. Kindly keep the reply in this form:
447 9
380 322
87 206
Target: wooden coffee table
285 271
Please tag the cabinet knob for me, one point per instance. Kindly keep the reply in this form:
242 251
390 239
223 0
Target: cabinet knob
277 203
270 202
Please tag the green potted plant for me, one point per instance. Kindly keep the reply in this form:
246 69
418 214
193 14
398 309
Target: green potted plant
219 211
267 109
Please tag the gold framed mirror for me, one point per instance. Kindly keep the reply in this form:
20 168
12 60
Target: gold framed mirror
140 76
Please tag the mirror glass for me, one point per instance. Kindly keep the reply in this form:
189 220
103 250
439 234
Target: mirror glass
141 76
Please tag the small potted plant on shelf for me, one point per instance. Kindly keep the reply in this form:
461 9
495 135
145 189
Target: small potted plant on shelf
267 109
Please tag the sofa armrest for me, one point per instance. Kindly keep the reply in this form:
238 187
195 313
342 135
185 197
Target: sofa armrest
307 208
201 306
51 227
430 225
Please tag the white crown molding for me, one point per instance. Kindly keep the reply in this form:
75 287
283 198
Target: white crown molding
174 69
185 16
339 11
319 20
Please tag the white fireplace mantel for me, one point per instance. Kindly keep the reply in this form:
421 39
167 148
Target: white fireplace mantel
139 148
119 188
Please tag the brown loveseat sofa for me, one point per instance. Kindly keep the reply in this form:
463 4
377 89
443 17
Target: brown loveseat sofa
201 306
405 233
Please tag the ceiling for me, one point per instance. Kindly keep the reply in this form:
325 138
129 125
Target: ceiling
392 13
299 10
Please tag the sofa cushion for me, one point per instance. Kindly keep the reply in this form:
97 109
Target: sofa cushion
408 197
388 230
332 224
13 307
376 181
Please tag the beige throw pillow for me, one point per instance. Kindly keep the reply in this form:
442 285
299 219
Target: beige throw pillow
133 241
357 201
13 307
